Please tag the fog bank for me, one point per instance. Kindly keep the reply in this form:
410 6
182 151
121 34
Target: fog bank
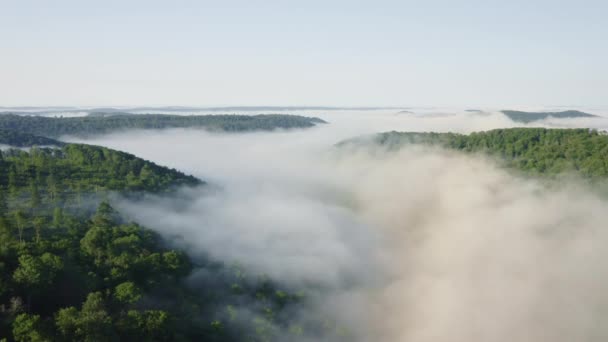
419 245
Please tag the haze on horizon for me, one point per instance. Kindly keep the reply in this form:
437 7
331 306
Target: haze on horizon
339 53
445 213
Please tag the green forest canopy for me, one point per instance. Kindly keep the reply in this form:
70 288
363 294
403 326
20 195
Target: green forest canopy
85 168
540 151
20 139
70 273
78 276
54 127
526 117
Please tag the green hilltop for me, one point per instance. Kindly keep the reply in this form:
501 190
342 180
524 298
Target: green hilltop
527 117
540 151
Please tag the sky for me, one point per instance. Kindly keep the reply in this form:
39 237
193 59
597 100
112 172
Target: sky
333 53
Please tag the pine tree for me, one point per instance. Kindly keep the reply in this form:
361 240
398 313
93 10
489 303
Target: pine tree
35 194
12 182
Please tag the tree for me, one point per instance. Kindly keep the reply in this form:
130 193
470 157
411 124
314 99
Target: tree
67 322
35 194
36 274
39 223
91 324
28 328
57 217
20 221
148 325
105 215
127 293
78 190
52 187
95 243
12 182
176 263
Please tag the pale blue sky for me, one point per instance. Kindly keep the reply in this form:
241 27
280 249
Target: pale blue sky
343 53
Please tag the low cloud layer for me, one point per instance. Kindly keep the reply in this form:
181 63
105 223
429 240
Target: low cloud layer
419 245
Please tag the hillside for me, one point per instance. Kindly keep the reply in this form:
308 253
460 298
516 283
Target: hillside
527 117
54 127
70 272
20 139
532 150
79 276
84 168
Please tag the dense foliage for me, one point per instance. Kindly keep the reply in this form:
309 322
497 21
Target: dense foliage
532 150
99 124
73 269
79 168
20 139
526 117
80 277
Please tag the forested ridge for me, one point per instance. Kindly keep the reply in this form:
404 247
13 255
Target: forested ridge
527 117
54 127
84 168
540 151
74 269
20 139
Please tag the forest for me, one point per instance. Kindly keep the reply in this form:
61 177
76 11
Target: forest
527 117
20 139
55 127
534 151
74 269
85 168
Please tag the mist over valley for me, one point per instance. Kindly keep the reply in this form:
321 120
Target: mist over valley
420 243
313 171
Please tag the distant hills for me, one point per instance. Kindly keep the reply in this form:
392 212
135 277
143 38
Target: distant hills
108 113
174 109
526 117
100 123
